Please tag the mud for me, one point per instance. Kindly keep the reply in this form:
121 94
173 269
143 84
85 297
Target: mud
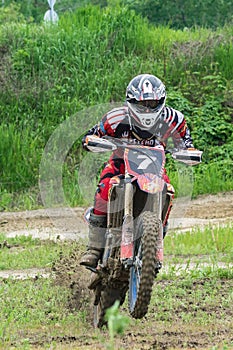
212 207
68 273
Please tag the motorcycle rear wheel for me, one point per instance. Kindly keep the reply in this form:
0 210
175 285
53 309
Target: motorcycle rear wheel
143 271
107 299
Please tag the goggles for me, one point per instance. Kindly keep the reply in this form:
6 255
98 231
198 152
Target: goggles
143 106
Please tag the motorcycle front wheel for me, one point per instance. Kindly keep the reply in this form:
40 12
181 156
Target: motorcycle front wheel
143 270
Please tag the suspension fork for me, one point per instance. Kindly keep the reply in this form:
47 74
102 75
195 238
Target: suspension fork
128 224
157 209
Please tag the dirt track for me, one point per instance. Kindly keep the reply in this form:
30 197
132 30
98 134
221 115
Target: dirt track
68 223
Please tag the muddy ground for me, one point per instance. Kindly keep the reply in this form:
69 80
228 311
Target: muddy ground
147 334
69 223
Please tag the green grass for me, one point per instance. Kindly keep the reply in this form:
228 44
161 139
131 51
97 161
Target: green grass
209 240
24 252
201 252
166 292
209 179
34 308
51 73
37 313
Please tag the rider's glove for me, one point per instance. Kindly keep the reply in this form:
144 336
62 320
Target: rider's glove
84 144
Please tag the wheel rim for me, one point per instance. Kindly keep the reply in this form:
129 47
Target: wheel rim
135 273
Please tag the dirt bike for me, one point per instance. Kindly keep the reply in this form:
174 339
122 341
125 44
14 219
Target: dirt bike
133 252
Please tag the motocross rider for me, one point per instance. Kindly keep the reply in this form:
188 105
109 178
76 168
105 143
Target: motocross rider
144 120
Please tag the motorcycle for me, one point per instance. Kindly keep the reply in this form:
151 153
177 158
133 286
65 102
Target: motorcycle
133 253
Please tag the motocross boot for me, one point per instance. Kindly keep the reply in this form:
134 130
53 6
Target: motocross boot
97 229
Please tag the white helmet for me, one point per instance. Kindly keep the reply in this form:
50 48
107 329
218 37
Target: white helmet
145 96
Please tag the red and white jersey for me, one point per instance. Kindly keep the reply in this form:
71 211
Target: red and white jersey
116 123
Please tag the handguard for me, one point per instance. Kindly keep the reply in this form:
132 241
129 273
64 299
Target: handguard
190 156
96 144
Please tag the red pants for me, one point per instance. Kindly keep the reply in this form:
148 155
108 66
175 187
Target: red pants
112 168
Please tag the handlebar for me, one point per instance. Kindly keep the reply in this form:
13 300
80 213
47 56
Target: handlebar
107 143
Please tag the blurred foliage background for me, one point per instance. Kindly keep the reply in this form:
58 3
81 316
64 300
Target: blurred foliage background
51 72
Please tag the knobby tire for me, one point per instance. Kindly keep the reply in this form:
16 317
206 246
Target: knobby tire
147 232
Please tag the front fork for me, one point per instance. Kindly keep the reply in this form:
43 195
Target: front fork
128 224
157 210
